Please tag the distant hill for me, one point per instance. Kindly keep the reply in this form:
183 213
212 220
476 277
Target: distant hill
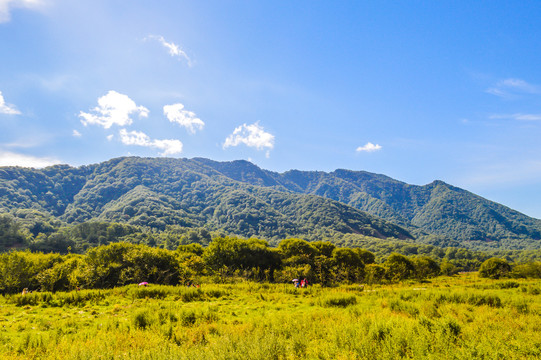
240 198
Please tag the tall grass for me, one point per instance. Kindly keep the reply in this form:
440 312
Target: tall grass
450 318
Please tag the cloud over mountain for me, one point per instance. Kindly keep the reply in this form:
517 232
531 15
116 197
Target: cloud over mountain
113 109
169 146
252 136
176 114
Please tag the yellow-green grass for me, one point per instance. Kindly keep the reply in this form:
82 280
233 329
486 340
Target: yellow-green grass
462 317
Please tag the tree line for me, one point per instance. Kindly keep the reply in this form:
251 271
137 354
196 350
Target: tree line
225 259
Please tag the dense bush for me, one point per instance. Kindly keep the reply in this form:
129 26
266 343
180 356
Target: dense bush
494 268
226 259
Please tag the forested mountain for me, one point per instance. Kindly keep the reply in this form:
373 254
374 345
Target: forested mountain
159 192
437 213
240 198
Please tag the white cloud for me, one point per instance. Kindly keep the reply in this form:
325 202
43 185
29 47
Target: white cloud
252 136
7 5
134 138
169 146
113 109
369 147
510 87
110 137
75 133
188 119
7 108
8 158
173 49
517 116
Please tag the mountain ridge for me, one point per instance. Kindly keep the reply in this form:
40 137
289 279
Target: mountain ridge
240 197
161 192
436 208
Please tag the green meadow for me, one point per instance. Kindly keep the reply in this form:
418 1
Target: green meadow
458 317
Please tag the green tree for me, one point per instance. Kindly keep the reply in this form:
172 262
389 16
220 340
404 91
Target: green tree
297 252
240 254
11 233
62 276
448 268
528 270
366 256
349 265
323 270
123 263
425 267
324 248
374 274
398 267
494 268
20 269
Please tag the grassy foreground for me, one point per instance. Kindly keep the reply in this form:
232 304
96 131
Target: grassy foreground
462 317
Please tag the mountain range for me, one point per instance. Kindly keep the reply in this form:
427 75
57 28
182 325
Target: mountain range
240 198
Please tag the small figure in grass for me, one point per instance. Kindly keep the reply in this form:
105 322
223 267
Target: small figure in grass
25 291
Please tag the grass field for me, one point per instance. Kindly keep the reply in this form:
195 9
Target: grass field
461 317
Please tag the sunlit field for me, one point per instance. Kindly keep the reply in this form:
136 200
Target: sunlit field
461 317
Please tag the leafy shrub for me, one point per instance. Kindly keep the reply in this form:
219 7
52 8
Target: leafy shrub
188 318
190 294
379 332
399 267
79 298
471 299
494 268
450 328
148 293
73 298
215 293
142 319
403 307
528 270
532 290
338 301
33 299
507 285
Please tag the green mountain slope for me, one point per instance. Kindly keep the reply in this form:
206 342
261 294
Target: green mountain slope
239 197
437 213
160 192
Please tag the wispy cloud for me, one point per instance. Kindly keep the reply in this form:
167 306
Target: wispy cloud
513 87
113 109
169 146
7 5
369 147
8 158
7 108
173 49
517 116
252 136
176 113
75 133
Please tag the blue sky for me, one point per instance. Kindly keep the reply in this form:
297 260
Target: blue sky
416 90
